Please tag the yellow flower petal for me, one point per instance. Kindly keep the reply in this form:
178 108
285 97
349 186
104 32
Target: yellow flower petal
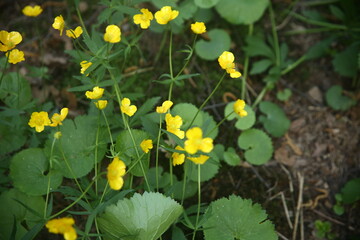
59 24
198 27
32 11
178 158
226 60
96 93
239 106
84 66
127 108
63 226
173 125
15 56
112 34
39 120
74 33
101 104
165 15
199 160
144 18
146 145
195 141
164 107
57 119
115 171
9 40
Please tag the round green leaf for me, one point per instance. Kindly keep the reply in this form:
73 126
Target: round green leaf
345 62
351 191
257 145
275 122
242 123
142 217
29 170
242 11
206 3
336 100
211 50
237 218
284 95
187 112
231 157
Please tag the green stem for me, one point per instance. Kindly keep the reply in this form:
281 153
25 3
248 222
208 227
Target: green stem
108 128
184 184
157 155
207 99
199 202
188 58
246 67
311 30
49 174
221 122
81 21
96 153
318 23
319 2
170 66
293 65
259 97
5 65
274 34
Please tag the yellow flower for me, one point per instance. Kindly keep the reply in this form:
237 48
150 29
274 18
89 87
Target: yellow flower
144 18
63 226
85 65
9 40
115 172
101 104
74 33
164 107
15 56
178 158
96 93
57 135
239 106
57 119
146 145
39 120
199 160
195 141
59 24
233 73
165 15
127 108
226 60
173 125
32 11
112 34
198 27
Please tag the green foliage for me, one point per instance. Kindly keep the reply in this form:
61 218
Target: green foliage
206 3
284 95
142 217
336 100
345 62
257 145
212 49
12 131
242 123
351 191
237 218
231 157
208 170
323 229
38 175
275 121
187 112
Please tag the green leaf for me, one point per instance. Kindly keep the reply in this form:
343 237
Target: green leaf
162 3
145 108
351 191
242 123
12 133
29 170
142 217
336 100
256 46
203 15
242 12
231 157
345 62
275 121
207 170
176 190
337 12
206 3
260 66
209 126
237 218
78 142
210 50
164 177
284 95
187 9
129 152
257 145
187 112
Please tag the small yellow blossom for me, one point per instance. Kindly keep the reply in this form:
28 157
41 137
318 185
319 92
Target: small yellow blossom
59 24
127 108
9 40
32 11
198 27
112 34
233 73
115 172
57 135
165 15
199 160
84 66
196 142
226 61
74 33
164 107
63 226
146 145
57 119
39 120
96 93
239 106
173 125
144 18
101 104
178 158
15 56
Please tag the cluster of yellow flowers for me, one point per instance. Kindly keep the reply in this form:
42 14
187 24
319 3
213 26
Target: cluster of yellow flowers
59 24
63 226
8 41
95 94
39 120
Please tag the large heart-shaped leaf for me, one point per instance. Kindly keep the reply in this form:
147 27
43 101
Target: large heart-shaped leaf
258 146
212 49
275 120
142 217
242 11
237 218
29 170
336 100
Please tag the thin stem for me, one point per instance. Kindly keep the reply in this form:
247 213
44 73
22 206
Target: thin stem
293 65
96 153
49 174
188 58
274 34
259 97
207 99
170 66
246 67
199 202
5 65
184 184
221 122
108 128
157 155
319 23
81 21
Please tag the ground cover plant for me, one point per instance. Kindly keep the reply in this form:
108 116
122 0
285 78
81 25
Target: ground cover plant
128 149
